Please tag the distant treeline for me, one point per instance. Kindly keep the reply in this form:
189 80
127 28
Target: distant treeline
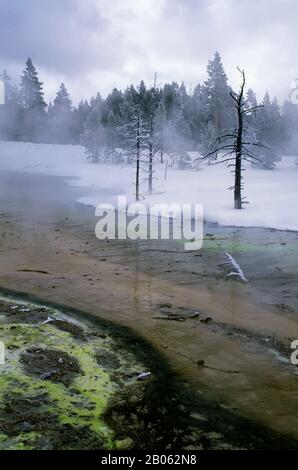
171 119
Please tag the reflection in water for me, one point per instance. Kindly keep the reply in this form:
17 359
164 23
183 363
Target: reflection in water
268 258
142 284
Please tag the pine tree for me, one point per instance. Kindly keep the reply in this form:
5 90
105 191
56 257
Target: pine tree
196 121
10 111
7 85
112 120
61 118
62 101
32 99
171 99
94 137
232 148
160 128
208 138
135 131
290 128
269 131
177 122
251 124
216 96
79 120
31 89
152 103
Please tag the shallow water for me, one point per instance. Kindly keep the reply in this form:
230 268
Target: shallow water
268 257
127 281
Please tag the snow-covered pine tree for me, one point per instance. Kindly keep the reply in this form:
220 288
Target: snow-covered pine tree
232 148
251 124
154 98
134 133
32 99
160 127
63 101
31 88
207 139
216 96
290 128
60 118
94 135
10 111
183 121
196 116
79 119
269 131
112 121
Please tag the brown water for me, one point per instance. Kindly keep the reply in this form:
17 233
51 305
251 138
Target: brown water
45 230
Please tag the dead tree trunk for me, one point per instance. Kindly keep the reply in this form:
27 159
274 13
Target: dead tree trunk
232 148
239 140
138 160
150 178
151 137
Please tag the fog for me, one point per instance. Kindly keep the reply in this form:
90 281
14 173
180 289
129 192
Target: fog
95 45
148 187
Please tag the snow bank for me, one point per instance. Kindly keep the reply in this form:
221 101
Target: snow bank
272 195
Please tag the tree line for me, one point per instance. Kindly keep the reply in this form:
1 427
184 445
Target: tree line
155 120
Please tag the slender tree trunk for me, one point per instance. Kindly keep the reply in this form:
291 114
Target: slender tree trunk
166 170
233 144
238 161
237 187
150 181
138 161
150 178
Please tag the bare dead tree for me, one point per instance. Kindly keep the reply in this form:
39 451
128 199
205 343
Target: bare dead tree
231 148
138 145
141 138
151 136
150 176
135 135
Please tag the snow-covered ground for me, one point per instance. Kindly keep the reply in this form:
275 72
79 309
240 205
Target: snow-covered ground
272 195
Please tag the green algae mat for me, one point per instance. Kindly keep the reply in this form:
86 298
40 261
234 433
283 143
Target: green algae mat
57 380
70 382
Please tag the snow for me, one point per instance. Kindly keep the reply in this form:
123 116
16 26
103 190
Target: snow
272 195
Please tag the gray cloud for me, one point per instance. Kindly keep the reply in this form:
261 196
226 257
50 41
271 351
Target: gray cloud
61 35
97 44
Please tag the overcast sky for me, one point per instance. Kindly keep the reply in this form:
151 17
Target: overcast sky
95 45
